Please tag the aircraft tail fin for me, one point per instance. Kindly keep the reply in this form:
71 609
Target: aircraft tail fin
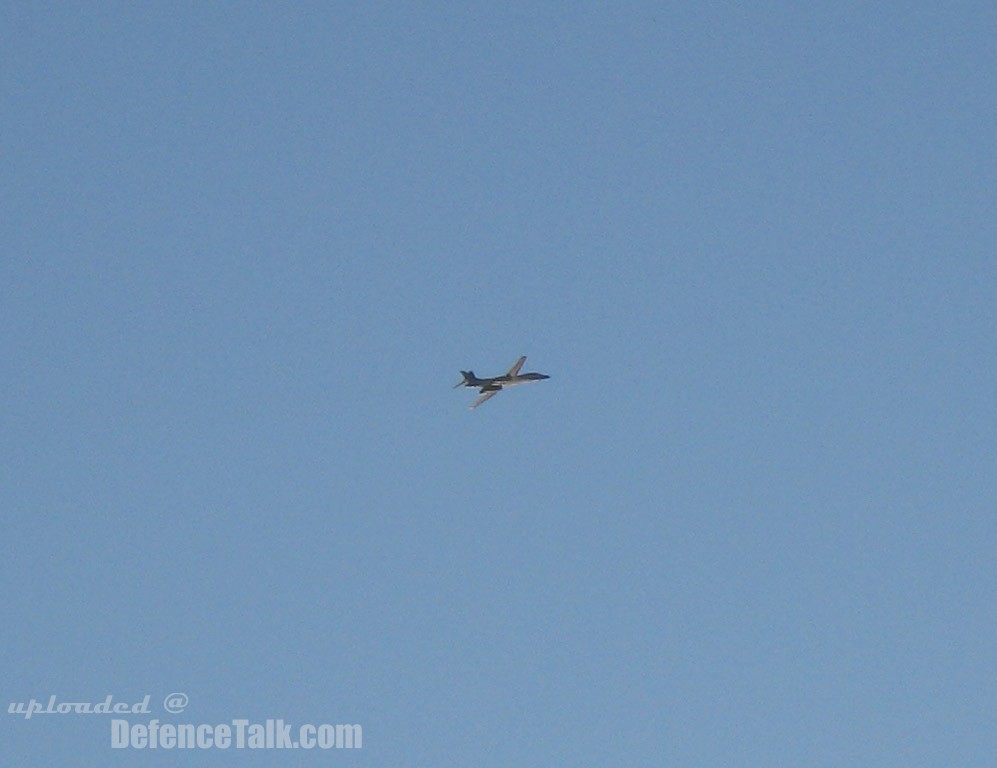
468 380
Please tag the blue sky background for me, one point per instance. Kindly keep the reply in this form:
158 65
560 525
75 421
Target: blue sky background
750 520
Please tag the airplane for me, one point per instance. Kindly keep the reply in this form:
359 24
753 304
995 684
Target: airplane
491 387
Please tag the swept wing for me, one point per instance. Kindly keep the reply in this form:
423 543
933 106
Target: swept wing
515 369
480 400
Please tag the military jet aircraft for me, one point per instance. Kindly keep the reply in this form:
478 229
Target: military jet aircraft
491 387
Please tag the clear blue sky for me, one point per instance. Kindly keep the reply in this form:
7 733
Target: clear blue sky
750 519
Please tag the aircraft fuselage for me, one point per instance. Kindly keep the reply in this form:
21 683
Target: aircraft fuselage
501 382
